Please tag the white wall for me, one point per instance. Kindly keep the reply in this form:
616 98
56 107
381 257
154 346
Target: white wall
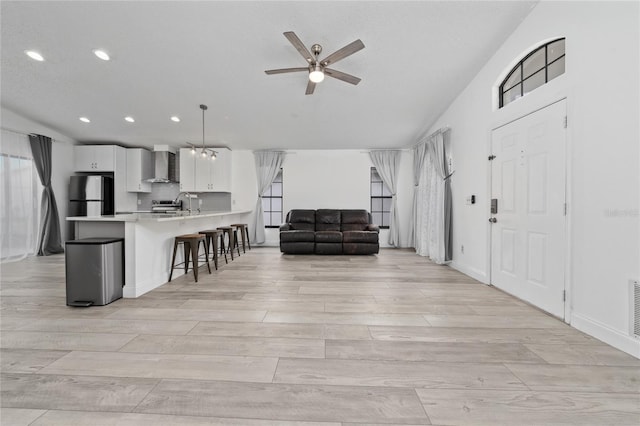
317 179
601 86
61 160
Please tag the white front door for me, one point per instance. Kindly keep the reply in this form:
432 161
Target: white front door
528 231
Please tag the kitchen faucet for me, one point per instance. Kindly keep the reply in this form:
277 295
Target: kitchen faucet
187 195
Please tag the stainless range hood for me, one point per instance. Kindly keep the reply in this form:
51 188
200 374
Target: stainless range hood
165 165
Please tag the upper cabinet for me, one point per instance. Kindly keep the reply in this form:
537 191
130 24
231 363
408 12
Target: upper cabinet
112 159
95 158
139 169
201 174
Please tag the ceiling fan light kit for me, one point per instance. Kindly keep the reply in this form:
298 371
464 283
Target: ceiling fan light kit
318 68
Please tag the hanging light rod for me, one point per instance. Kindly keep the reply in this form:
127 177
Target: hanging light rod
204 151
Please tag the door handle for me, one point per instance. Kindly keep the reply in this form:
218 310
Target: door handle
493 220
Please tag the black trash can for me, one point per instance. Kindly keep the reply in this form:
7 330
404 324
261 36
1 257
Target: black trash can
94 271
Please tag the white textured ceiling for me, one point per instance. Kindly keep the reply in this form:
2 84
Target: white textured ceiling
169 57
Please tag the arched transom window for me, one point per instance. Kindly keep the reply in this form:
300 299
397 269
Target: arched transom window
537 68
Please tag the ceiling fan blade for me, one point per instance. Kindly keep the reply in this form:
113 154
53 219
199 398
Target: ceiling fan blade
342 76
349 49
300 47
284 70
311 86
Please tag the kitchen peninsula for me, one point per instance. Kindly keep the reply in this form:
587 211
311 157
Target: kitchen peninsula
148 241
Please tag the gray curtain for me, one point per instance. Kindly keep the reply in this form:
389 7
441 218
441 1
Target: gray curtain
50 240
268 164
442 169
419 158
387 163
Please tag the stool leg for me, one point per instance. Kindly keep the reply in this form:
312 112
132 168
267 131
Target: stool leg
230 245
207 245
206 257
194 258
246 231
235 241
173 258
186 248
222 249
215 252
243 239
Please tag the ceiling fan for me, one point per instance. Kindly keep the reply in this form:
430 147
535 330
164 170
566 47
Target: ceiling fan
318 68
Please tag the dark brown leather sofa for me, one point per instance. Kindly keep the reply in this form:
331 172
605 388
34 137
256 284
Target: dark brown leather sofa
329 231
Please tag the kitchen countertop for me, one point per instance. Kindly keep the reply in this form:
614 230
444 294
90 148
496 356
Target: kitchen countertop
154 217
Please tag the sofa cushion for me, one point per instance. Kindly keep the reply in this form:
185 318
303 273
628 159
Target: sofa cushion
304 220
327 220
297 248
328 237
354 220
328 248
358 248
360 237
297 236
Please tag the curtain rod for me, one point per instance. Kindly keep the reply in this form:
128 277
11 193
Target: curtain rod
437 132
18 132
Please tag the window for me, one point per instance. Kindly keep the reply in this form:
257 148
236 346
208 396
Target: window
537 68
272 203
380 201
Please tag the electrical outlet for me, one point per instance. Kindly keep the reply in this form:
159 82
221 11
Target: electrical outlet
233 202
139 202
200 202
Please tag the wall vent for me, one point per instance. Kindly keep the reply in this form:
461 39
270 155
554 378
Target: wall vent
634 293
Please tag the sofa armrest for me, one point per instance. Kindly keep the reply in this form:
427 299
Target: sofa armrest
285 227
372 227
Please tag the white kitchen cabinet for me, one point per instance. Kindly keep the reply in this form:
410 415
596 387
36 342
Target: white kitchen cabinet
95 158
187 170
221 171
201 174
139 169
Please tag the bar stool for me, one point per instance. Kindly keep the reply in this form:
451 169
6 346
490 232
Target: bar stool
232 233
191 246
244 233
212 238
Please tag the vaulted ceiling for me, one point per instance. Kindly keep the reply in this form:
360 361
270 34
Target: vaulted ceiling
167 58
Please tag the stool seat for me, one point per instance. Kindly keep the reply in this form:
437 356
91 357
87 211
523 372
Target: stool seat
191 245
190 237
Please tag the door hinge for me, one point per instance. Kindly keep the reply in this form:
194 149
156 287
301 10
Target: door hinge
565 121
492 157
564 295
565 209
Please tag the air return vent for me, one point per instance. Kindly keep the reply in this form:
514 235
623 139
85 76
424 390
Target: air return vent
634 293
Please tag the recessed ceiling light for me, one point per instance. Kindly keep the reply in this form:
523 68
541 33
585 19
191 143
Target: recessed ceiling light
176 119
101 54
85 120
129 119
34 55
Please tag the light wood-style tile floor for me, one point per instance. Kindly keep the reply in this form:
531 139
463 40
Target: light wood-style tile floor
302 340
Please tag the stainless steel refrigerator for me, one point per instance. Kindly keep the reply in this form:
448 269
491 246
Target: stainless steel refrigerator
90 196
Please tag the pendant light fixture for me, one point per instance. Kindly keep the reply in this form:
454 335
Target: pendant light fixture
204 152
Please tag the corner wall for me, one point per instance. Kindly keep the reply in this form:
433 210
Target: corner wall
61 160
602 89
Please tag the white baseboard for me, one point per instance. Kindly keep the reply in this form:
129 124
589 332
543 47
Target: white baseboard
472 272
607 334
